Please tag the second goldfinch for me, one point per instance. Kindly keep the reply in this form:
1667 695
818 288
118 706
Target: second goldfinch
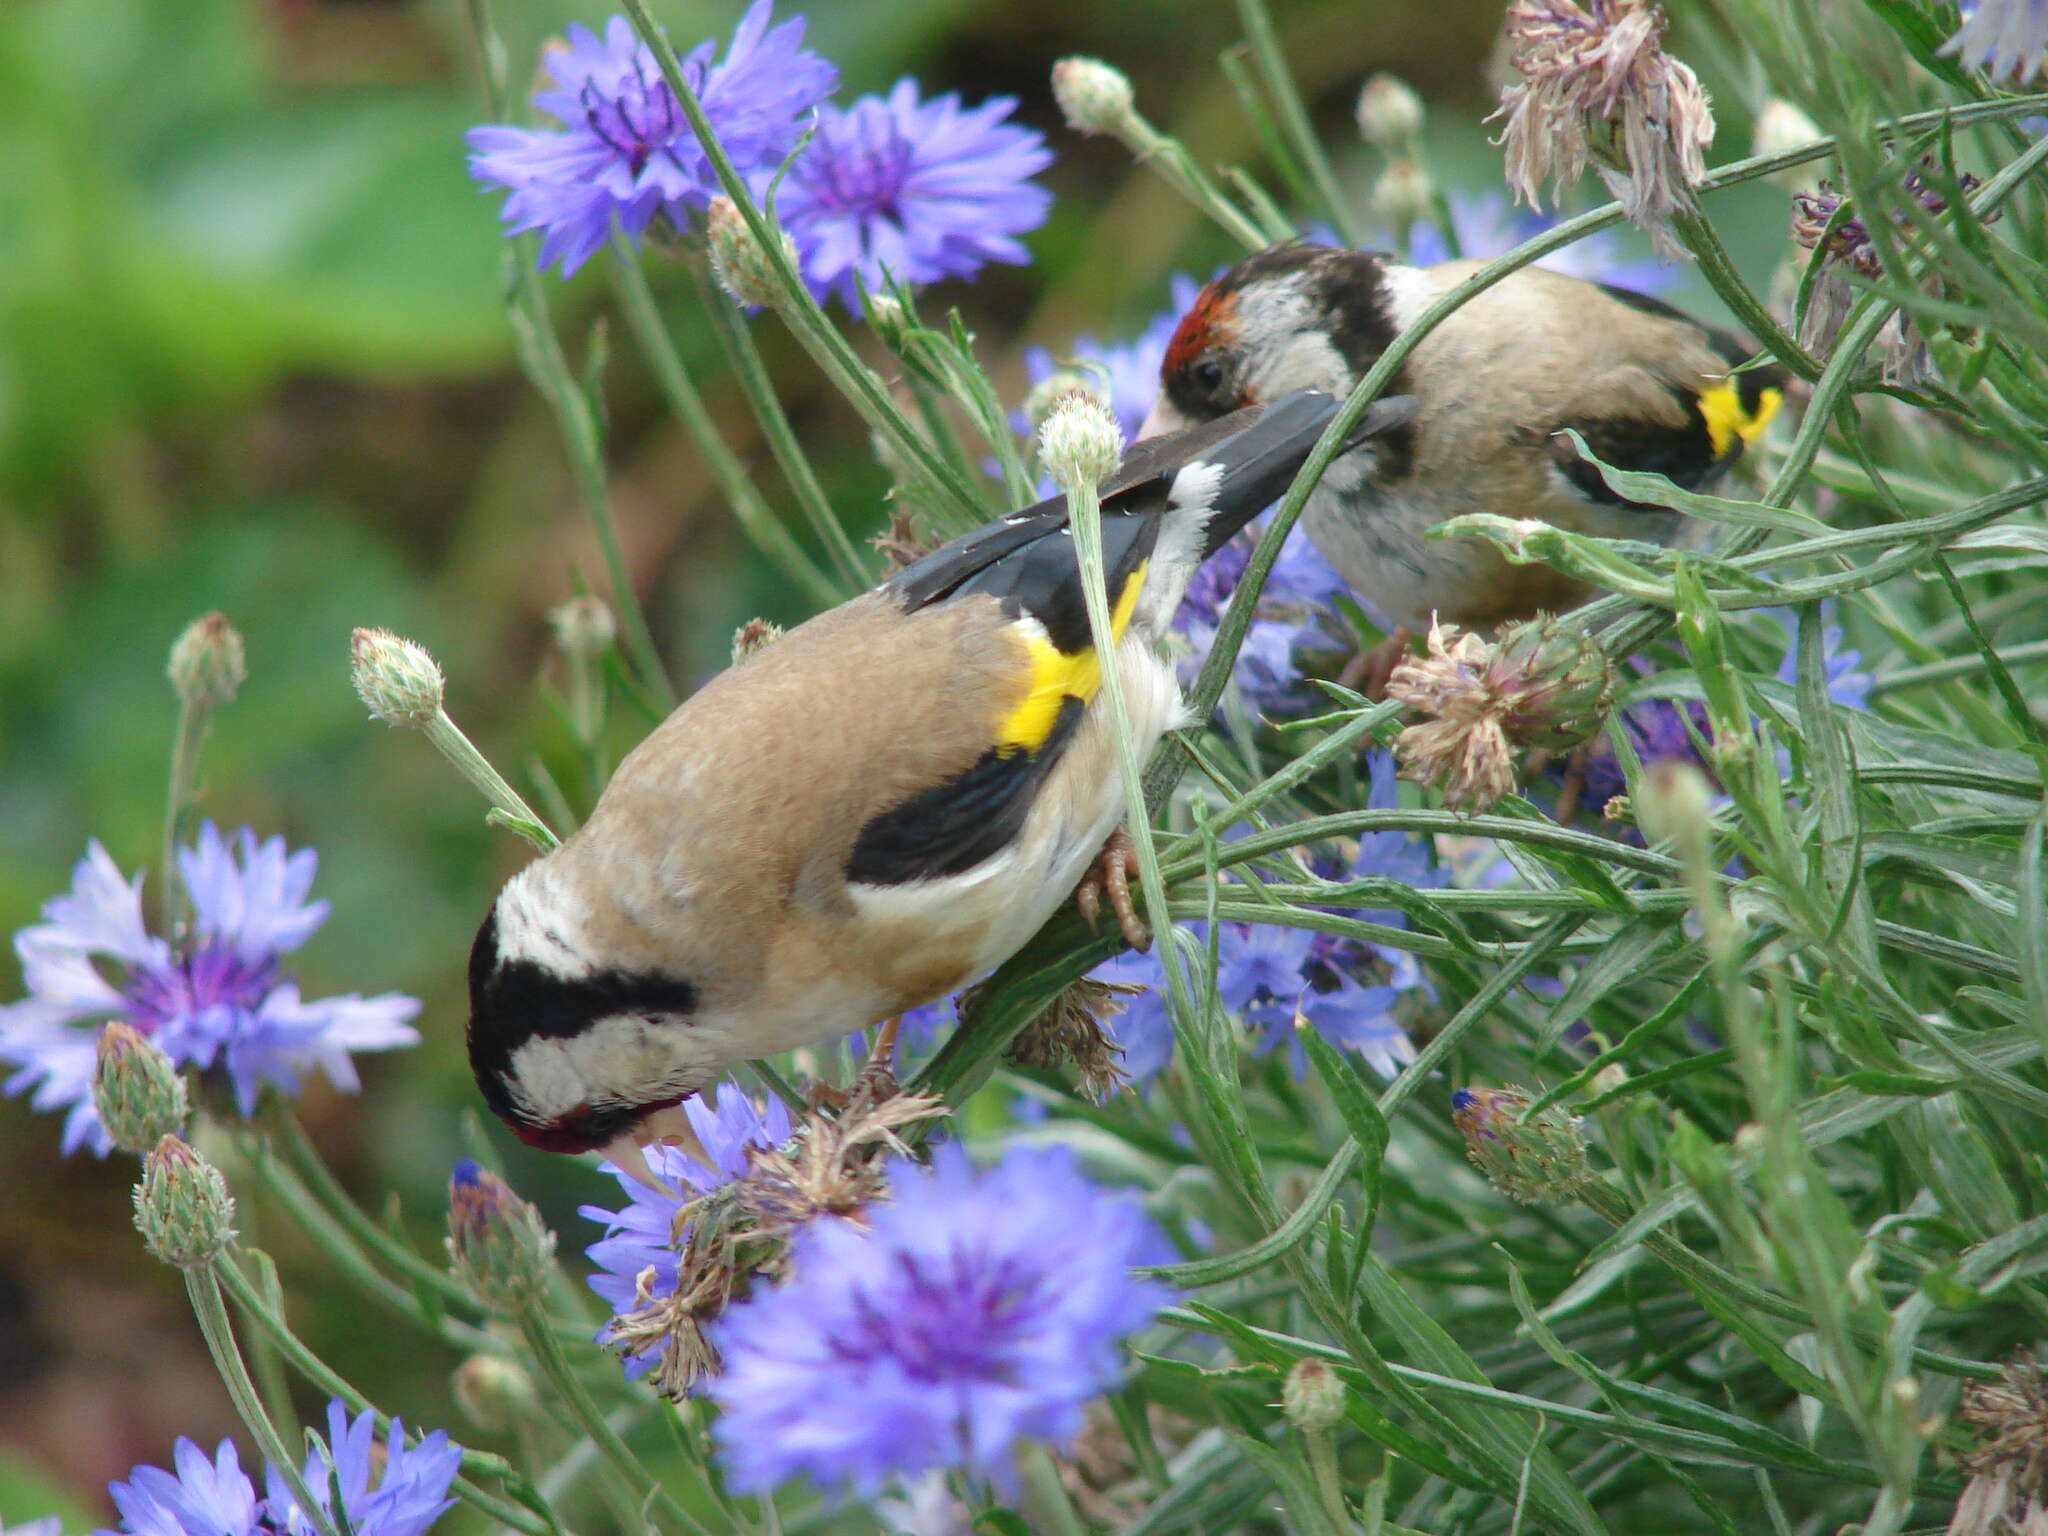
865 814
1499 382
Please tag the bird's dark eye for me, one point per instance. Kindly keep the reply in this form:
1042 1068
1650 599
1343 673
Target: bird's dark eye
1208 375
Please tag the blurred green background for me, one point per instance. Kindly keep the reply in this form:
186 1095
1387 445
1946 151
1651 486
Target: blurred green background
253 357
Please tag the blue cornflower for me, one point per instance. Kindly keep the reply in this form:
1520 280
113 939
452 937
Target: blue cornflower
1847 683
643 1235
218 998
1293 605
978 1309
624 151
1488 225
2001 37
917 190
216 1498
1658 730
1140 1026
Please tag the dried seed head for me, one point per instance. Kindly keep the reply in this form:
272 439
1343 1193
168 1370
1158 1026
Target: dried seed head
742 266
182 1206
584 626
399 681
1312 1397
1541 1160
1069 1032
1080 442
497 1243
2007 1493
1595 85
752 636
1093 96
1543 683
138 1093
1390 114
207 666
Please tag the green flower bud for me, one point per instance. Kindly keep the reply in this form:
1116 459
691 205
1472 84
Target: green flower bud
138 1093
494 1393
497 1242
744 269
1389 112
1094 97
1560 683
584 626
397 678
1403 194
1676 804
1079 442
1540 1160
207 665
182 1206
1312 1397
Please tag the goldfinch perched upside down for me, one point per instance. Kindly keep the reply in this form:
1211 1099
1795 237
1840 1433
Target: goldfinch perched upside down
1498 381
864 815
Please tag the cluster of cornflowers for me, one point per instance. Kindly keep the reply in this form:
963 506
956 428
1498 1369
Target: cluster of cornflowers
892 186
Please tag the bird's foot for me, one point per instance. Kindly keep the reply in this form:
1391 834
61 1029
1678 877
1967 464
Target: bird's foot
1111 876
1369 671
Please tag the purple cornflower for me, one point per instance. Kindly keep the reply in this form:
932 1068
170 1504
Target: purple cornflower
916 190
624 151
1846 681
217 998
1295 600
2001 37
1488 225
980 1308
216 1498
643 1235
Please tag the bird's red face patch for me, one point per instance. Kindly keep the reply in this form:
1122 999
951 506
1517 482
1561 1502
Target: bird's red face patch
1211 321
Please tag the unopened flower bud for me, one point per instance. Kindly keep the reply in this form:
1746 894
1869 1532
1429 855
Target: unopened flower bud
1055 387
1079 441
1403 193
494 1393
1675 804
584 626
1780 126
499 1246
743 266
888 319
1312 1397
1093 96
399 681
182 1206
138 1093
207 665
1389 112
754 635
1538 1160
1543 683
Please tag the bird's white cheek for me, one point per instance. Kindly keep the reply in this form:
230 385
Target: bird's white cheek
623 1059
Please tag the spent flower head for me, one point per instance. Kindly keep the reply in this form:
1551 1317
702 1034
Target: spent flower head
1540 1159
497 1242
217 999
136 1090
1094 97
1543 683
207 664
895 186
624 153
182 1205
397 679
981 1307
1594 85
2007 1494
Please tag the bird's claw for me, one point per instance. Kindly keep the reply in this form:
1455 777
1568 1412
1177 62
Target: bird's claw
1111 875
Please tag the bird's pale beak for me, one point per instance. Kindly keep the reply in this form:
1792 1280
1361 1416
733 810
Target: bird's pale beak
1161 419
663 1125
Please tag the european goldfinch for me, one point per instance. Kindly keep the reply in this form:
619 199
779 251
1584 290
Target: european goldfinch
1499 382
863 815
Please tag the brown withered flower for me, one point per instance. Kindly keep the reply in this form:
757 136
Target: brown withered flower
1594 85
1069 1033
1542 684
2007 1494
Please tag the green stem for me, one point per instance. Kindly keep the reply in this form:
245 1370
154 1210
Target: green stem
1169 157
212 1313
755 517
509 809
191 737
1047 1509
1719 269
547 1353
324 1378
1279 81
1322 1462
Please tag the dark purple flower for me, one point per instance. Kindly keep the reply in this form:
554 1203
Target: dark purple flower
981 1307
624 152
643 1235
917 190
220 999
